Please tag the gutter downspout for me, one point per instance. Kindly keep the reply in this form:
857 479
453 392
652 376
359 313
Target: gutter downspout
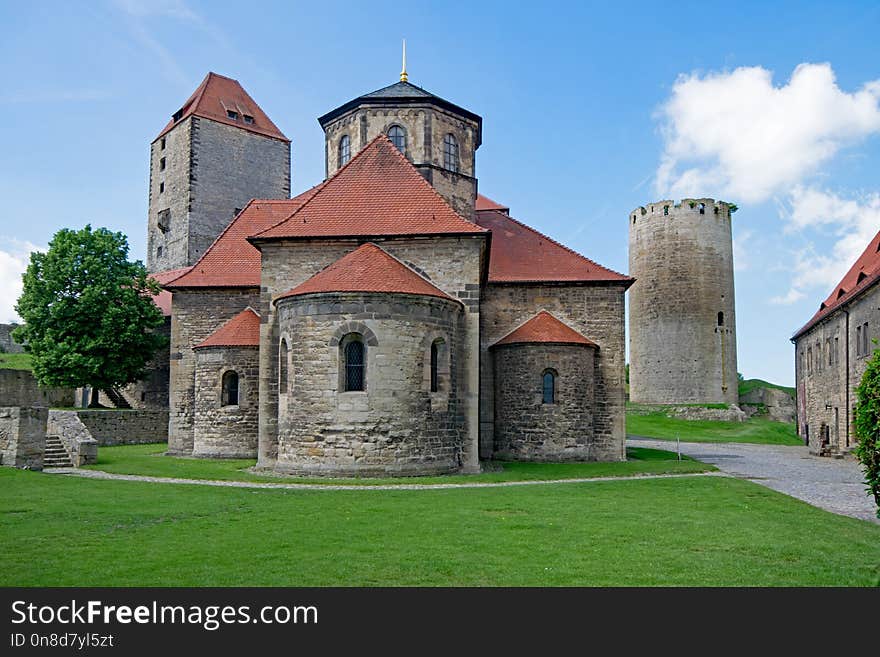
846 377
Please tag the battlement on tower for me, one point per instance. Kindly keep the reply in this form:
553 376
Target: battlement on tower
695 206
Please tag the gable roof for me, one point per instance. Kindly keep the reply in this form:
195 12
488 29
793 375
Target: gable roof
231 261
163 299
864 273
521 254
545 328
243 330
367 269
485 203
379 192
217 94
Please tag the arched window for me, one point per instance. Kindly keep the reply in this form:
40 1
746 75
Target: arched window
229 394
283 366
354 354
450 152
344 150
720 319
435 358
549 385
397 137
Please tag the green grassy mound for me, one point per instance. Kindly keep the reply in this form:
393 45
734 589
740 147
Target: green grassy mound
655 424
15 361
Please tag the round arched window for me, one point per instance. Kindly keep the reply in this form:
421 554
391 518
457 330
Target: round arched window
344 150
450 153
397 137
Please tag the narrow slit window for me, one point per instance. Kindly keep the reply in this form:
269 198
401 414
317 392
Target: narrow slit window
354 353
435 357
549 387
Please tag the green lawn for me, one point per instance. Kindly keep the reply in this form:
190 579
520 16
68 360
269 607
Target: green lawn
750 384
15 361
150 460
66 531
755 430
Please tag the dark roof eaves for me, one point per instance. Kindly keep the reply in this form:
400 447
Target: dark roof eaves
514 343
828 312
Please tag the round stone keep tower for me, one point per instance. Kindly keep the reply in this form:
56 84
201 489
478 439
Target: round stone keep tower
682 323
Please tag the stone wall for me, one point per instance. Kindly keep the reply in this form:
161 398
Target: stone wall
829 365
23 436
526 428
453 264
195 315
125 427
211 169
151 392
595 311
395 426
20 388
226 431
7 344
681 307
74 435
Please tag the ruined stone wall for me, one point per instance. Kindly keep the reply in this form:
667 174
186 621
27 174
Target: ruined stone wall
211 169
526 428
20 388
23 436
454 264
226 431
195 315
595 311
125 427
829 365
7 344
425 127
151 392
396 425
681 349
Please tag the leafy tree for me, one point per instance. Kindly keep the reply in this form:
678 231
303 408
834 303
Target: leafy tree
867 425
88 312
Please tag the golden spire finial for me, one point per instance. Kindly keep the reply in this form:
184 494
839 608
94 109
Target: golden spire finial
403 70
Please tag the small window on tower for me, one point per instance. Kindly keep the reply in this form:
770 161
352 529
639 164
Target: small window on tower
397 137
344 150
163 143
665 210
232 114
161 188
164 220
159 252
720 319
248 119
162 164
450 153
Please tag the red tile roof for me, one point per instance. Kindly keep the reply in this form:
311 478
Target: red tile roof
243 330
217 94
545 328
485 203
367 269
862 275
231 261
163 299
379 192
520 254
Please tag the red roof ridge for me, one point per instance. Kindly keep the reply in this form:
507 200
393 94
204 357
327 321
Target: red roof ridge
389 275
322 187
315 188
506 216
544 327
168 275
238 331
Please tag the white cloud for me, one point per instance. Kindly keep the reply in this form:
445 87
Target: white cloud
14 258
741 259
843 228
736 135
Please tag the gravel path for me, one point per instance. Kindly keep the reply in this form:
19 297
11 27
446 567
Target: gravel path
836 485
99 474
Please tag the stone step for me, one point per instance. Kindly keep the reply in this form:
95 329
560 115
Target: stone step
56 455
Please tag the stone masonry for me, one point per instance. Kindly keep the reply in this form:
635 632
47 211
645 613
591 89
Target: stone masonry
681 307
193 197
829 365
23 436
526 428
595 311
7 344
20 388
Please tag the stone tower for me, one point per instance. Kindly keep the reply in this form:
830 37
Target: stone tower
441 139
218 151
682 324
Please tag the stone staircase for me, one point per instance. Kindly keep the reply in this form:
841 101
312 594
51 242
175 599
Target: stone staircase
116 398
56 456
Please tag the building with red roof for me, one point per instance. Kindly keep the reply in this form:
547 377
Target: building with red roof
831 354
389 320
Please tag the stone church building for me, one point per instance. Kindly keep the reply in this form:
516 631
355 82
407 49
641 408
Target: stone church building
831 355
390 320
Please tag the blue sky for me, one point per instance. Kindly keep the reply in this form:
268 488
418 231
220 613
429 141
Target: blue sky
590 109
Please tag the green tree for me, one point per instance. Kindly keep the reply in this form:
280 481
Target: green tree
867 425
88 312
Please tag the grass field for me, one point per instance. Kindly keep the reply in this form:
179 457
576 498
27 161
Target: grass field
15 361
750 384
149 460
754 430
65 531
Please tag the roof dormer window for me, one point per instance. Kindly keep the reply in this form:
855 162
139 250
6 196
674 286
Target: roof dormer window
248 119
232 114
177 115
